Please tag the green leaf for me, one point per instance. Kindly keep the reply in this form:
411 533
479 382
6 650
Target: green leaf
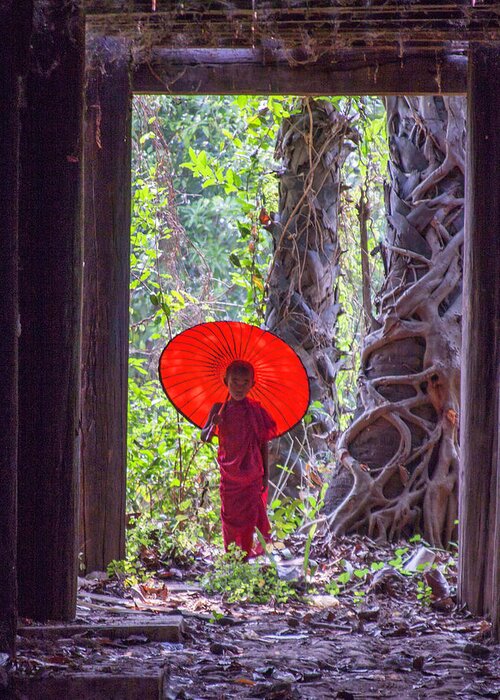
360 573
147 137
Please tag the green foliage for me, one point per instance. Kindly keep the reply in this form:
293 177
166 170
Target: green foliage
203 167
239 580
171 473
163 543
307 548
348 580
288 514
397 561
130 573
424 593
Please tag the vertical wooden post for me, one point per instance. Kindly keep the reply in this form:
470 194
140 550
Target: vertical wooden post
15 27
105 306
50 246
479 511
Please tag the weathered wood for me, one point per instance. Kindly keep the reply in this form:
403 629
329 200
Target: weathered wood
105 309
320 24
479 513
15 23
267 72
166 630
50 242
91 686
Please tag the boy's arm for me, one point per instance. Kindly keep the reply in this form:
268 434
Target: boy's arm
265 463
208 429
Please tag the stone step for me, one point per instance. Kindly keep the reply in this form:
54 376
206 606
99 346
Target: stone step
167 630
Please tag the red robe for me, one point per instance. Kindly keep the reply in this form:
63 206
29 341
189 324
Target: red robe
244 430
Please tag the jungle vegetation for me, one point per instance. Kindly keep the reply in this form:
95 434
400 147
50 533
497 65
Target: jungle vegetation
371 194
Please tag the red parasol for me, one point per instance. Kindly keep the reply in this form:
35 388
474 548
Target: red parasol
193 364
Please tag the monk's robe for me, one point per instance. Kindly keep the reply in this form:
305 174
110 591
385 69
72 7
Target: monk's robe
244 430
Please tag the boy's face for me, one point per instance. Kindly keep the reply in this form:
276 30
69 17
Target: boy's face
239 382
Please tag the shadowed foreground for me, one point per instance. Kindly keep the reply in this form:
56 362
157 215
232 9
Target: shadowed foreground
175 642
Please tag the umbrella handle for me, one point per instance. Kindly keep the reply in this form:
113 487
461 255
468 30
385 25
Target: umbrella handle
219 412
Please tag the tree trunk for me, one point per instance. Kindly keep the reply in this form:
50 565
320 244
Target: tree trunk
363 217
303 306
479 513
15 28
50 246
401 449
105 324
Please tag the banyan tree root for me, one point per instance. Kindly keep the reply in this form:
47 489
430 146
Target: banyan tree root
401 450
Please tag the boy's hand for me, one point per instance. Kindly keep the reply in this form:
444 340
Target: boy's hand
217 410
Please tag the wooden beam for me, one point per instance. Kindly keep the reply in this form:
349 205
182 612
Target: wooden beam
105 306
479 512
15 28
50 247
169 628
135 685
265 72
320 24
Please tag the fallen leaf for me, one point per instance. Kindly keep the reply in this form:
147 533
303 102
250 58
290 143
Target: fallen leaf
58 659
484 630
244 681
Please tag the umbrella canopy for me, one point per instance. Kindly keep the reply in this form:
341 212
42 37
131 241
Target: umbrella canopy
193 365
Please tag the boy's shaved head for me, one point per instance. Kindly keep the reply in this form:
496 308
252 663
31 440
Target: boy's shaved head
240 367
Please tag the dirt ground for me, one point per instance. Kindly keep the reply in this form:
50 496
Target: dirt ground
375 639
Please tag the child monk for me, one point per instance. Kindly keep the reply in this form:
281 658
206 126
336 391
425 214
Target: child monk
244 428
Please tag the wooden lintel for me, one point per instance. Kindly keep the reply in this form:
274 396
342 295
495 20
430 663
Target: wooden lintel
255 72
322 23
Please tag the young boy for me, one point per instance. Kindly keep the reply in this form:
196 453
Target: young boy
244 429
